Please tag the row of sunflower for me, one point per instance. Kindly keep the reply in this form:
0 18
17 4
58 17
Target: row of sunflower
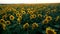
42 19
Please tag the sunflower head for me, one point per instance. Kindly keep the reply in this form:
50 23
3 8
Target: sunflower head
28 9
50 31
2 21
48 12
8 8
4 17
45 21
32 16
49 18
19 20
39 15
26 25
18 15
23 12
7 22
34 25
30 12
22 8
11 17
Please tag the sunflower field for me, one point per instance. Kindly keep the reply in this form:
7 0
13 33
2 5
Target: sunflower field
30 18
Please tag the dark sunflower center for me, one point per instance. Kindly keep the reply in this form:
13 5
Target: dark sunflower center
34 16
4 17
45 22
11 17
48 18
23 12
39 16
34 26
7 22
50 32
2 21
18 15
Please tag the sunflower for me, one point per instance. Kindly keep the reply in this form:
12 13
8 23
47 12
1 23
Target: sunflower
4 17
4 26
30 12
49 18
18 15
28 9
48 12
45 21
7 22
50 31
14 10
23 12
57 18
34 25
2 21
8 8
19 20
11 17
22 8
39 15
32 16
26 25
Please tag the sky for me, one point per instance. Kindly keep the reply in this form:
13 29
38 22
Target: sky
28 1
